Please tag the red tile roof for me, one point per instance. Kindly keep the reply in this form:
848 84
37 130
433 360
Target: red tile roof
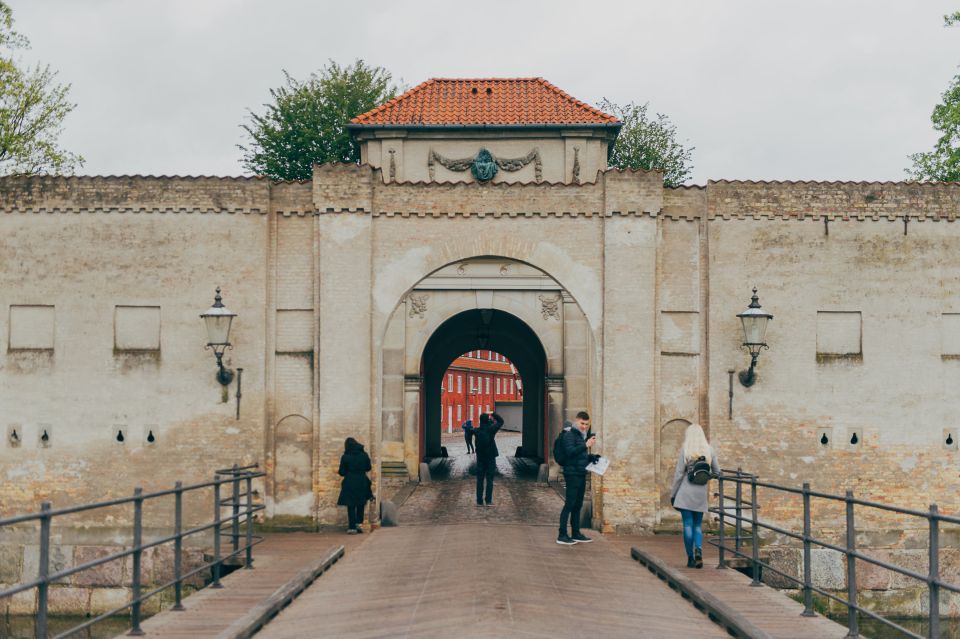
482 365
504 101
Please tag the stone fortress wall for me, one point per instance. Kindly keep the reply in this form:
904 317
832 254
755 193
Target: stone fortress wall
102 280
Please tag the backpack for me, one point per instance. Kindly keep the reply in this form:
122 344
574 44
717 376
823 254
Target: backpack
699 471
559 453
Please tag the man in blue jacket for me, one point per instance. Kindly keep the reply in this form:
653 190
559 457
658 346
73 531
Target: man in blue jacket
485 447
577 442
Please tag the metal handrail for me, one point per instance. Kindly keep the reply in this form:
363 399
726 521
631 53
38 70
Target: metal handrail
723 509
242 507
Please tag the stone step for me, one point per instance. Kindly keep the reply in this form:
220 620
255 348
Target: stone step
393 469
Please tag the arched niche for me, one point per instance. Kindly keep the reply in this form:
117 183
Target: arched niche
293 473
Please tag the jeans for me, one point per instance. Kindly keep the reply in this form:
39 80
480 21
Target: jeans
469 440
355 515
572 503
486 468
692 530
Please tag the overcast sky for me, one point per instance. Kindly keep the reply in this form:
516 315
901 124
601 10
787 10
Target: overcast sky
765 89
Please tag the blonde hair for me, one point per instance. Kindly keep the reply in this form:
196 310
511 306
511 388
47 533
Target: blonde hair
695 444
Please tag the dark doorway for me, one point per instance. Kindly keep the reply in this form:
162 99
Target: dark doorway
485 330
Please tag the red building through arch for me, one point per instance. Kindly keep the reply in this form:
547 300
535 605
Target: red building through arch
480 381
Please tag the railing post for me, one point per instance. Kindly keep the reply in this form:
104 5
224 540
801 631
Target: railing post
853 622
807 567
178 546
43 588
235 525
934 582
137 553
754 532
739 505
722 501
216 533
248 560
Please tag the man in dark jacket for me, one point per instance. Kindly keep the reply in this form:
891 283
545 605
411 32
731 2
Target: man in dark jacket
577 442
485 447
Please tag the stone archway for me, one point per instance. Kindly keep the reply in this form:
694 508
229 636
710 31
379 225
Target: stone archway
448 305
486 328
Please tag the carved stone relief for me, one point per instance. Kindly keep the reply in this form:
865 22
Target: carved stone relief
484 165
418 305
576 165
550 307
393 165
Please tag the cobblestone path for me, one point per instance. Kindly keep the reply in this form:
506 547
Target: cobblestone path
451 497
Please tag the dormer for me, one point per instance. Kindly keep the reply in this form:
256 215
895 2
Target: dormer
485 130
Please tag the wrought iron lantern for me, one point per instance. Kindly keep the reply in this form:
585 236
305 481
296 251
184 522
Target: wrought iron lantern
218 319
754 320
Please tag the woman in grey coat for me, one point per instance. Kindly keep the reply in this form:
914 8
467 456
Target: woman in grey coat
689 498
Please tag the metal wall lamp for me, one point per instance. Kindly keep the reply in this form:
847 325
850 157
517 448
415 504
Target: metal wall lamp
218 319
754 321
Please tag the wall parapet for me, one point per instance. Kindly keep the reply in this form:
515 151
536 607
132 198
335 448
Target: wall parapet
934 201
138 194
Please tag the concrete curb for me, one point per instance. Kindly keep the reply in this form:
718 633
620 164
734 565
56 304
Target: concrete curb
258 616
718 612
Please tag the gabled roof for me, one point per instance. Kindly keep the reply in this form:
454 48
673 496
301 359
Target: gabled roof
484 102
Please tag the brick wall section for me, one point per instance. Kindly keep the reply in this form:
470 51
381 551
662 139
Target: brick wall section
219 195
874 200
292 198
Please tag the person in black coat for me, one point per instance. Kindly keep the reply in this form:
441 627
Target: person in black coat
485 447
577 441
355 489
468 435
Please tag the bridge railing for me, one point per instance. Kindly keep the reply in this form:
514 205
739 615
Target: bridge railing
731 512
238 483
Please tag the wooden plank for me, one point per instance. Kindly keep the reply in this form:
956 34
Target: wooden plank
727 594
279 562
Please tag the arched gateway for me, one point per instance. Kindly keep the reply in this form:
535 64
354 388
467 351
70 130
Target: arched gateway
482 303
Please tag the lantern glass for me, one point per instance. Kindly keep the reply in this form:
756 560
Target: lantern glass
754 327
218 327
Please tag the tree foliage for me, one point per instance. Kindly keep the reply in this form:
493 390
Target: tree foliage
32 109
648 142
942 164
306 123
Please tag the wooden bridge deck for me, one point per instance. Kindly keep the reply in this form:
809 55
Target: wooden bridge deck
277 563
488 580
452 569
760 611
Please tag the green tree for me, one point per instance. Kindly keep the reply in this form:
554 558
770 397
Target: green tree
306 123
32 109
648 142
942 164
